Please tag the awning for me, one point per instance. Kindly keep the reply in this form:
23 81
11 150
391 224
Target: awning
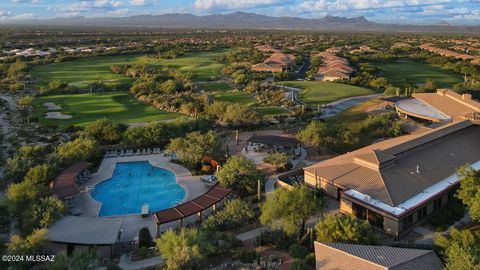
213 196
274 140
64 184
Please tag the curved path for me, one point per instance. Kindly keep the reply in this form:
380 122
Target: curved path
332 108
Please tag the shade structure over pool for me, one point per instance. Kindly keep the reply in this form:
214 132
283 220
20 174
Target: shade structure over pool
64 184
422 110
203 202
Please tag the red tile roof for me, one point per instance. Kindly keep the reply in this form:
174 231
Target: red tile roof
213 196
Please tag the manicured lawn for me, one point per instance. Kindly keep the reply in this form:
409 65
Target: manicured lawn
353 118
317 92
80 73
412 74
235 97
203 65
86 108
247 100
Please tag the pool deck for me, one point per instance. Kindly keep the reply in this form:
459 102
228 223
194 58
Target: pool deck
132 223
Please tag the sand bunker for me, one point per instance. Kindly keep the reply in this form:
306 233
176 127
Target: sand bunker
57 115
51 106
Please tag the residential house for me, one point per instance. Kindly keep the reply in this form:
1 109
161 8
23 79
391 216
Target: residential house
336 256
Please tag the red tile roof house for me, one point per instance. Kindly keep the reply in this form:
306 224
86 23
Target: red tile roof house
277 62
333 68
397 183
336 256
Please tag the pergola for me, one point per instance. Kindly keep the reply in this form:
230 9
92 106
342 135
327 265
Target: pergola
211 198
274 140
64 185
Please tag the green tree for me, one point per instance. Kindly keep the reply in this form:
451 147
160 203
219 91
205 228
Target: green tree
169 87
77 150
234 213
461 250
344 229
104 130
276 159
25 104
316 134
33 244
195 146
469 191
27 156
180 250
145 238
41 214
379 83
289 210
239 115
56 85
241 174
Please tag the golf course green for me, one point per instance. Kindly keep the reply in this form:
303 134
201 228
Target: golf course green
85 108
317 92
405 74
80 73
246 99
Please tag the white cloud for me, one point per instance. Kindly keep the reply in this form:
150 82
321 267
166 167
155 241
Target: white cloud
233 4
345 5
89 6
6 14
118 12
25 1
138 2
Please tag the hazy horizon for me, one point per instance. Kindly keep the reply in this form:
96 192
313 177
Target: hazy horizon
460 12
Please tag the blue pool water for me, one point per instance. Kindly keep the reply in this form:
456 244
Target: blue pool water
135 183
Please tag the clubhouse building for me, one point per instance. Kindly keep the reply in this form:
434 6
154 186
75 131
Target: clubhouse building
398 183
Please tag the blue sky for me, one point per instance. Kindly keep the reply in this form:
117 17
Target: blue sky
389 11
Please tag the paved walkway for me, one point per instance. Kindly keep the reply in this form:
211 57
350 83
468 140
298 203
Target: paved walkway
126 264
282 255
251 234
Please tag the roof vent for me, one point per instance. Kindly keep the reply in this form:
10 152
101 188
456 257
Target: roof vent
418 169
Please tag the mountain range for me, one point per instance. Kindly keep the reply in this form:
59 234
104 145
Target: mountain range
243 20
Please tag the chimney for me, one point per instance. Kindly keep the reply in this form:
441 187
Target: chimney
466 96
418 169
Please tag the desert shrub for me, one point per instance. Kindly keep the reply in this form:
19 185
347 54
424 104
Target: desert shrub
278 239
144 238
298 251
248 256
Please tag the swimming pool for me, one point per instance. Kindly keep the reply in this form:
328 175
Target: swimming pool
135 183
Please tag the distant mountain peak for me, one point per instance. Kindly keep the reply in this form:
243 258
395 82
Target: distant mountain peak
245 20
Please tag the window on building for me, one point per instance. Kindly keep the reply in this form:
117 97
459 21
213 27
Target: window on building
437 204
375 219
359 211
451 194
407 222
422 213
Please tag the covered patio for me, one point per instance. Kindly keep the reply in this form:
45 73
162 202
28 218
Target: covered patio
65 184
272 143
196 206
